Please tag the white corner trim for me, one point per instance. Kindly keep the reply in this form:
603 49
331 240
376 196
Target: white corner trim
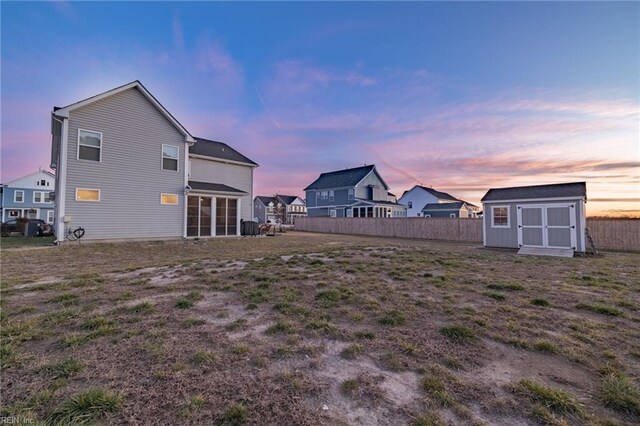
61 178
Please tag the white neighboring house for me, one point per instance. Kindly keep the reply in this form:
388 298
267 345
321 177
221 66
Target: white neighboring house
29 196
267 209
123 172
419 196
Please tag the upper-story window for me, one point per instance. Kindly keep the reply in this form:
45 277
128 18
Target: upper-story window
350 193
317 194
41 197
324 195
410 204
42 182
169 157
18 197
89 145
331 195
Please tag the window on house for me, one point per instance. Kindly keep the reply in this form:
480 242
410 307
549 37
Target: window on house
349 213
84 194
169 157
37 197
500 217
44 182
324 195
50 216
332 213
18 197
89 145
427 215
46 197
410 204
331 195
317 194
37 183
169 199
452 215
350 193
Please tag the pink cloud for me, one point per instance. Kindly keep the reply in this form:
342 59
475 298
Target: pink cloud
214 60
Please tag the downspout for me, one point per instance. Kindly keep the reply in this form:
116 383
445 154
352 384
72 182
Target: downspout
61 181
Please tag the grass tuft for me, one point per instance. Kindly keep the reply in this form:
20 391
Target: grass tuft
352 351
392 318
436 389
457 332
546 346
64 369
184 304
619 393
512 287
235 415
555 399
85 408
600 309
540 302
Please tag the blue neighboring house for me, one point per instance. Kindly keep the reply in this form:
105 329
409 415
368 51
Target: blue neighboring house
29 196
356 192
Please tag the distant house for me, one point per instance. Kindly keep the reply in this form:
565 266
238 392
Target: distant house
29 196
459 209
127 169
283 208
539 217
418 197
356 192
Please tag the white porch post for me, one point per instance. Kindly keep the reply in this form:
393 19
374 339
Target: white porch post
238 217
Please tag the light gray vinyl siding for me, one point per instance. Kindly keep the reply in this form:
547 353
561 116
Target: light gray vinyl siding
129 177
508 237
362 190
233 175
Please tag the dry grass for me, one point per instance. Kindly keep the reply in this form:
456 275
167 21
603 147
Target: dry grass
376 330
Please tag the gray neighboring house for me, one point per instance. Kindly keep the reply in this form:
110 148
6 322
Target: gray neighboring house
123 171
266 209
458 209
541 216
356 192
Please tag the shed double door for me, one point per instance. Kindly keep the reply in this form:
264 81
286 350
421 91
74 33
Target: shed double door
547 225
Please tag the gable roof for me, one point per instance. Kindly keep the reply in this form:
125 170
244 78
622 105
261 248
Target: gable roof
266 200
64 111
344 178
455 206
438 194
219 150
558 190
287 199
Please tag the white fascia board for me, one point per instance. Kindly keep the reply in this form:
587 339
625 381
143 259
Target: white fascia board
221 160
64 112
526 200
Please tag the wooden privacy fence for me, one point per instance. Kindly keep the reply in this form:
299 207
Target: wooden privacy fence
608 234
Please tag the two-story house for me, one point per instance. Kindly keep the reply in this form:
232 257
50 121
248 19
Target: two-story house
280 208
419 198
126 168
29 196
356 192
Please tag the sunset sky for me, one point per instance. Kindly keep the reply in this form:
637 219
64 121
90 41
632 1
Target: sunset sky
458 96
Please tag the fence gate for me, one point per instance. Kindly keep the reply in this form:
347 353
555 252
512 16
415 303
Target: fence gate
549 225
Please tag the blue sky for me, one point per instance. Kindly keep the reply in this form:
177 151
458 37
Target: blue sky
458 96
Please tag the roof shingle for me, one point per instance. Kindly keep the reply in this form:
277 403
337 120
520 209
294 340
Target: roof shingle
558 190
341 178
221 150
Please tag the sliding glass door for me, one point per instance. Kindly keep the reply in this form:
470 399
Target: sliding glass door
198 216
226 216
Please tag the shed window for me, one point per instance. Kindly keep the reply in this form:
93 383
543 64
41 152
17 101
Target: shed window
169 157
500 217
89 145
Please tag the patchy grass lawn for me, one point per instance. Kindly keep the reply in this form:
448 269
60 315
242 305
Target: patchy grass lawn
318 329
25 242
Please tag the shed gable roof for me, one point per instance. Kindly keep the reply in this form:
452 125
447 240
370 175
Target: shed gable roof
558 190
344 178
219 150
64 111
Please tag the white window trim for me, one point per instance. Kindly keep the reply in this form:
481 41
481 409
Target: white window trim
16 193
324 195
50 216
41 197
331 195
89 189
452 215
177 159
333 213
169 204
78 146
427 215
508 225
351 192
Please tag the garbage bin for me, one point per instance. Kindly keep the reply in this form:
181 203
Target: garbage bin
249 228
32 228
